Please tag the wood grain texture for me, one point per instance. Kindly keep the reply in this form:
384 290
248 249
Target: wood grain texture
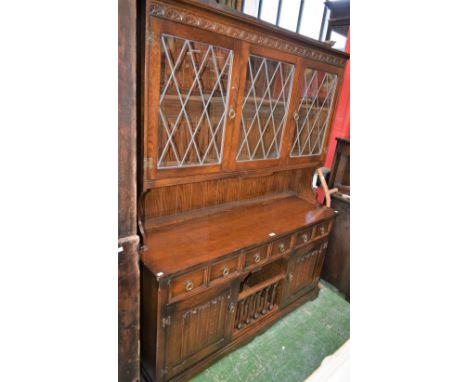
340 171
127 197
129 310
249 31
207 238
336 269
208 24
230 243
128 258
172 200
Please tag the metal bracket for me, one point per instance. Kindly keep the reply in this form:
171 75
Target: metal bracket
150 38
148 163
166 321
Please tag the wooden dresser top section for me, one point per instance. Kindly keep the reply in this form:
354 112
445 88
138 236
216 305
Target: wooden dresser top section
174 248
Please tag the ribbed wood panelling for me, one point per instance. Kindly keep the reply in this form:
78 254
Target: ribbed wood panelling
175 199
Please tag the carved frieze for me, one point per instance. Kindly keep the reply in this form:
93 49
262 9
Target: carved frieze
201 308
183 16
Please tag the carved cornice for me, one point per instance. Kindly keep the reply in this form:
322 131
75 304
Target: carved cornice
169 12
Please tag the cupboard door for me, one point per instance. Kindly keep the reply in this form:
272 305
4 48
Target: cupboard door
199 326
194 87
313 113
191 86
320 260
302 272
267 92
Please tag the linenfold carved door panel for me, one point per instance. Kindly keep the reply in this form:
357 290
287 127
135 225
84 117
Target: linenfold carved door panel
301 272
199 326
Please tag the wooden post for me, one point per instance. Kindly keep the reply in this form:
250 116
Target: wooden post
128 253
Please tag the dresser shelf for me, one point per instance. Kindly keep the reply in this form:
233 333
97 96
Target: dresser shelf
205 239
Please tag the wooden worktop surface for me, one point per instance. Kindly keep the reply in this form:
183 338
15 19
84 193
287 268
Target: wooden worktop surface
176 247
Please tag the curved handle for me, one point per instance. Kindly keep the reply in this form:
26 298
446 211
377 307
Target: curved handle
232 113
257 258
324 185
188 285
225 271
296 116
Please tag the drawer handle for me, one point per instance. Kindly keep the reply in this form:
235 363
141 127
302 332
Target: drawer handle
232 307
257 258
282 247
232 113
225 271
304 238
188 285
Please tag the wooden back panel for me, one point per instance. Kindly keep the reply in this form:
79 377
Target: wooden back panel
181 198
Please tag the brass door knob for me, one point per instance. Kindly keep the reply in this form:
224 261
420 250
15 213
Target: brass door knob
225 271
257 258
232 113
282 247
188 285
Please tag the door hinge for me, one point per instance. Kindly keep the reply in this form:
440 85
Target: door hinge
148 163
166 321
150 38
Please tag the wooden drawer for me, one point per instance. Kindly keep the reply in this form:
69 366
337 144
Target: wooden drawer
321 230
224 268
303 237
188 282
281 246
255 256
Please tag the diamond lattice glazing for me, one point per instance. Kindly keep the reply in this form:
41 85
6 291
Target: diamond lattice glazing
313 112
192 106
268 89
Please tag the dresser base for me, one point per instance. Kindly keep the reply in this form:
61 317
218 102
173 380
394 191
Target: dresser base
242 340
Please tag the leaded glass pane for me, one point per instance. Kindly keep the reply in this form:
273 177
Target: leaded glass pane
266 99
192 106
313 112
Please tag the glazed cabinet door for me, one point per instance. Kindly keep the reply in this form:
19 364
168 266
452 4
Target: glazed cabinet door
266 88
190 88
313 113
304 270
199 326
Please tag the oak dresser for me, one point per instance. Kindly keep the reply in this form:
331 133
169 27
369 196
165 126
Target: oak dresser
234 119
